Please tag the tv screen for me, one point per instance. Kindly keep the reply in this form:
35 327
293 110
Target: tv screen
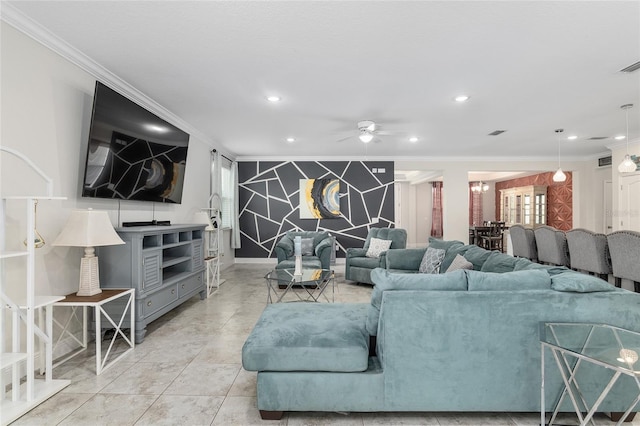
133 154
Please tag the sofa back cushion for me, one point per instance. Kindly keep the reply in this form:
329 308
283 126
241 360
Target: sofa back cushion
499 262
579 283
384 280
476 255
519 280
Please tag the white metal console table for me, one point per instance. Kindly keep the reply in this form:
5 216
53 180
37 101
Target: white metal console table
613 348
97 302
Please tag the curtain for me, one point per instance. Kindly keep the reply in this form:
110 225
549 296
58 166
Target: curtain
475 207
235 222
436 215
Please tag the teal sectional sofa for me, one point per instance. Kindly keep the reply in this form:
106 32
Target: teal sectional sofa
457 341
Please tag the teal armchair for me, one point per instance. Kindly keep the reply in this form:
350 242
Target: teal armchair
358 266
319 258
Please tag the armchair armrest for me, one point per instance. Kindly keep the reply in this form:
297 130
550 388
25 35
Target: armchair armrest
356 252
284 249
323 251
323 245
406 259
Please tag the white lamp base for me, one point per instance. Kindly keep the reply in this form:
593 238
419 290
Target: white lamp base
298 266
89 275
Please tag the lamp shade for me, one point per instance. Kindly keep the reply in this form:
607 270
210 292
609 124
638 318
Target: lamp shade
88 228
559 176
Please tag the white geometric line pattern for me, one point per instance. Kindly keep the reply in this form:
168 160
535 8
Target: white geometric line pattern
269 200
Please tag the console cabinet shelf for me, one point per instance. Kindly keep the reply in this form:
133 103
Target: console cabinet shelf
164 264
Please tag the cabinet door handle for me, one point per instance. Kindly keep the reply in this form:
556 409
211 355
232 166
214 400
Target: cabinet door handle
182 285
149 303
173 291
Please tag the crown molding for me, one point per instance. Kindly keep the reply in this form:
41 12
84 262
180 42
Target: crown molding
23 23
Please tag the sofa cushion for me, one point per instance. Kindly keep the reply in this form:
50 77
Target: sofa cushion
444 245
499 262
452 252
377 246
477 256
308 337
431 261
310 262
551 269
384 280
459 262
579 283
518 280
365 262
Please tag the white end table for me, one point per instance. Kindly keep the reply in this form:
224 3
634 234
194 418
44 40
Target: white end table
97 302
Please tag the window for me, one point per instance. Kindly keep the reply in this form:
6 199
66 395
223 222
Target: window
226 193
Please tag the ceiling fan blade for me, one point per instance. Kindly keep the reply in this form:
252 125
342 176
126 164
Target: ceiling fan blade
345 139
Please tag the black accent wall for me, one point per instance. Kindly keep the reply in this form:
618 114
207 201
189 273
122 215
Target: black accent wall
269 198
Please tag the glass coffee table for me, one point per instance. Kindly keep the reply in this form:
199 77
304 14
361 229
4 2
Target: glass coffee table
609 347
284 286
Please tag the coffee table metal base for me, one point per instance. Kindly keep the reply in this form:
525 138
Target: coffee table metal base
311 286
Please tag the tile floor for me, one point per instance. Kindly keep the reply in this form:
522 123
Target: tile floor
188 372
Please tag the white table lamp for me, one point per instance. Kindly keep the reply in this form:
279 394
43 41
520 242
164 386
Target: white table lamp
88 229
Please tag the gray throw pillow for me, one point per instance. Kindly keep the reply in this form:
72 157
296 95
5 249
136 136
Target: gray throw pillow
459 262
431 261
307 247
377 247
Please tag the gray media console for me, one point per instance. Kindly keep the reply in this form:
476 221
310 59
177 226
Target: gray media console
164 264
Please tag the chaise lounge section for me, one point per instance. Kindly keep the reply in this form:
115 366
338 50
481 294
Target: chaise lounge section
466 340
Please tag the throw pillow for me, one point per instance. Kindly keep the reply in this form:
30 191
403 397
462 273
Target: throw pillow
377 246
459 262
307 247
431 261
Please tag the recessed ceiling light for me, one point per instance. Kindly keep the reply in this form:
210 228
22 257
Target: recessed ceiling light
273 98
461 98
619 137
290 140
413 139
572 137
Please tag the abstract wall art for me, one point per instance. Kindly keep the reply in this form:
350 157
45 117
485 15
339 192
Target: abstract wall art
319 198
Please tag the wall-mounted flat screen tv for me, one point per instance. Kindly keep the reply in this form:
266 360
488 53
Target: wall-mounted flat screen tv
133 154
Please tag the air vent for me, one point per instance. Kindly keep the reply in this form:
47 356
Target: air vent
632 67
597 138
604 161
497 132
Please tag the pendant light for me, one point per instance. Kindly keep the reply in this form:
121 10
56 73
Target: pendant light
559 175
627 165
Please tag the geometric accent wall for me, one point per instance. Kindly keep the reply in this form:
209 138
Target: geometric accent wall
559 197
268 196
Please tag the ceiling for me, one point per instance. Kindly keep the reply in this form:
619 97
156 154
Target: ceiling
529 68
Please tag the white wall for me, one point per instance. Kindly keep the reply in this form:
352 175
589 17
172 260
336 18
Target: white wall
625 212
46 108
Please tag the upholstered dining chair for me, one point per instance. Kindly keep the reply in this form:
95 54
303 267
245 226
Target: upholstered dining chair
523 242
624 247
552 246
589 252
358 265
494 239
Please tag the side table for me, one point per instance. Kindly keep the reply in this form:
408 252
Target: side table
97 302
609 347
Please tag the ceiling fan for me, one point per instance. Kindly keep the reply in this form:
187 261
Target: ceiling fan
368 131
